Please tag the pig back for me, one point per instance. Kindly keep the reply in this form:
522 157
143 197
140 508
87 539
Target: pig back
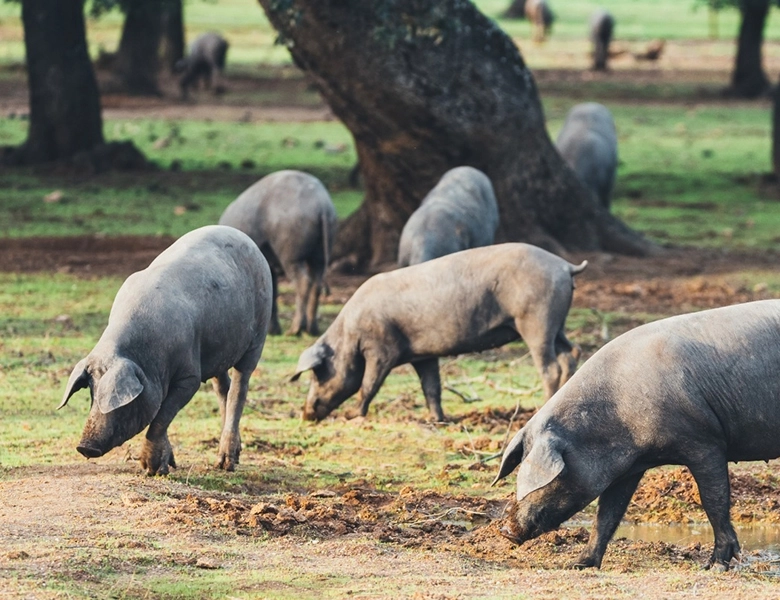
205 299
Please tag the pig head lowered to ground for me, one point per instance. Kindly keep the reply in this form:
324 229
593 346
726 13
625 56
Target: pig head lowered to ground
697 390
200 308
464 302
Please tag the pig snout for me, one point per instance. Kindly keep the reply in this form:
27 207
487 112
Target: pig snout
88 450
316 411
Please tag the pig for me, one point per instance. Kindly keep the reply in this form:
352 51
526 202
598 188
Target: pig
291 218
205 60
459 213
201 307
698 390
602 25
588 143
469 301
540 15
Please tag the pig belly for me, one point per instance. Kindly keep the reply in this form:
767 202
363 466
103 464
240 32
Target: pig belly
484 341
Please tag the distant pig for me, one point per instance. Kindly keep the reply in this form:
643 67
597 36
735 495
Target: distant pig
459 213
206 61
602 24
200 308
464 302
698 390
541 16
588 143
291 218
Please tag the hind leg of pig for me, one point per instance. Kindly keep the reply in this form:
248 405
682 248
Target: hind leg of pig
157 453
612 506
274 328
377 370
221 384
312 302
568 355
303 283
712 477
428 372
546 363
230 440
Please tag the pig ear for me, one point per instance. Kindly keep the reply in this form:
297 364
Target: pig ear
512 457
78 380
118 386
543 464
311 358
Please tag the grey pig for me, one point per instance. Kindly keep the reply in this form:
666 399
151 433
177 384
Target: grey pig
205 60
602 25
697 390
201 307
291 218
541 16
464 302
459 213
588 143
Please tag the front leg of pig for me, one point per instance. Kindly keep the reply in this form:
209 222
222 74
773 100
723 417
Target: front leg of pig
157 454
428 372
612 506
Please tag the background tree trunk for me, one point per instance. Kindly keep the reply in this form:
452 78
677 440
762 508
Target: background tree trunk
425 86
172 33
748 79
138 58
64 101
776 131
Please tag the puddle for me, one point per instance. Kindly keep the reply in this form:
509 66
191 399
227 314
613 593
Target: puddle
751 537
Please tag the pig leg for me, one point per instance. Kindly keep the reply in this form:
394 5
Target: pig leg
303 285
377 370
428 372
712 478
156 453
274 328
568 356
313 300
612 506
542 348
230 440
221 385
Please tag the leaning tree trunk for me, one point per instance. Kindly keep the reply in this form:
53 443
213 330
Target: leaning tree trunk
138 57
748 79
172 33
428 85
64 100
776 131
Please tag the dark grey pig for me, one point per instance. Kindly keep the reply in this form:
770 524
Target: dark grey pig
464 302
291 218
588 143
541 16
458 214
697 390
602 25
199 309
206 61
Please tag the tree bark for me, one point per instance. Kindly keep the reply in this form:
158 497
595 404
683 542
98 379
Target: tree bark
138 57
64 100
748 79
428 85
172 33
776 131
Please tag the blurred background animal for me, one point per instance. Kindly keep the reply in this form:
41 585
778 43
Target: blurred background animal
460 212
588 143
602 27
541 16
290 216
204 62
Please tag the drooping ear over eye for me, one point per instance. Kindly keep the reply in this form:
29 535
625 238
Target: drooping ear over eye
543 464
119 385
311 358
78 380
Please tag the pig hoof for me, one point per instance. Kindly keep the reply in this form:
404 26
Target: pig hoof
227 464
585 563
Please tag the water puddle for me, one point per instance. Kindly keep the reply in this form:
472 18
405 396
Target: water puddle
764 537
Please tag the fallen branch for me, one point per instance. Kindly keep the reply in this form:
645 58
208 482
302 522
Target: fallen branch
462 396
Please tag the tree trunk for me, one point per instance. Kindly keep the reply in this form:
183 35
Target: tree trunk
172 33
776 131
748 79
428 85
138 58
64 101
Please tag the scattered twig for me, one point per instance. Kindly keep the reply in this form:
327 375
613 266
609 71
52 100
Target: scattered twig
506 435
445 513
515 391
464 397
